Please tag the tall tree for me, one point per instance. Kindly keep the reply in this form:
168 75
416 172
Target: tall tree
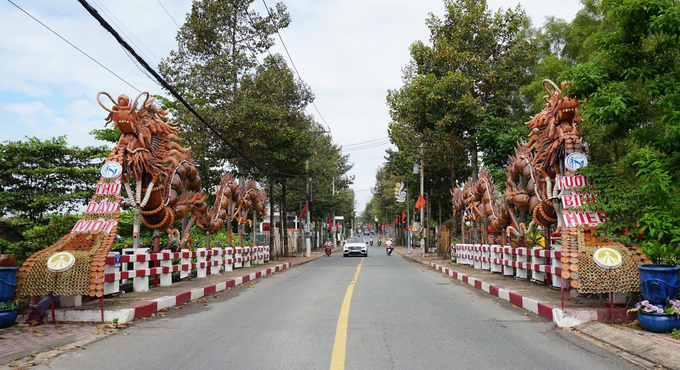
214 68
630 89
466 80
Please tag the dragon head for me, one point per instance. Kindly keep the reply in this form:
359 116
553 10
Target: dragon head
123 114
555 130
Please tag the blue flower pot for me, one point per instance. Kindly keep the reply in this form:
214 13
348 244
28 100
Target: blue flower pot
658 282
8 281
658 322
7 317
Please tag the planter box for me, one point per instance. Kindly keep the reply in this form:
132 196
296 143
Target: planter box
658 282
7 317
658 322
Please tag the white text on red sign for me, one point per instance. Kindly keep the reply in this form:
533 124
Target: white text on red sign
94 225
575 181
577 200
102 207
584 218
108 188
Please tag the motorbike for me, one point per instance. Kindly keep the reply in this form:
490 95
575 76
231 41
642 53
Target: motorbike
379 242
371 242
328 251
388 249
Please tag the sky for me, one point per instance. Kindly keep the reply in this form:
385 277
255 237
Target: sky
349 52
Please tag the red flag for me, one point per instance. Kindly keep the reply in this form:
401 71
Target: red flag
396 220
304 210
329 223
420 203
403 216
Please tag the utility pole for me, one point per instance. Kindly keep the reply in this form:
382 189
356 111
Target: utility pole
333 229
408 221
422 209
307 228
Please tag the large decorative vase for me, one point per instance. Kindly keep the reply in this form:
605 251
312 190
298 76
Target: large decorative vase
658 282
7 260
7 317
658 322
8 281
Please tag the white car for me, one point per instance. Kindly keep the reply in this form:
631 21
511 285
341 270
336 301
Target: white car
355 245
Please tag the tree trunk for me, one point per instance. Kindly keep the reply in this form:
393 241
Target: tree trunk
284 217
474 160
272 222
454 184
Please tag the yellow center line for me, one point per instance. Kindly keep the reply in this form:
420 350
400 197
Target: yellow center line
338 359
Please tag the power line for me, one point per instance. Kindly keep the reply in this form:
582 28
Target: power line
171 90
75 47
367 146
293 63
366 142
120 24
168 13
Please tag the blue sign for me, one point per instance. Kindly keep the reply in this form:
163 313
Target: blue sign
574 161
116 260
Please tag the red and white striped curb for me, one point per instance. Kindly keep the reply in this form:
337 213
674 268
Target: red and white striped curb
566 318
128 314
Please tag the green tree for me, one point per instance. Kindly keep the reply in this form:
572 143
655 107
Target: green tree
630 89
41 177
465 81
216 70
41 183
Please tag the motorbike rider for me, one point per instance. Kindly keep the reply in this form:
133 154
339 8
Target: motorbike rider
388 243
329 243
371 239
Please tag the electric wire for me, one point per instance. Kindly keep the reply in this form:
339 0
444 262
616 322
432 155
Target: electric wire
75 47
367 142
120 24
168 13
252 23
172 91
367 147
293 63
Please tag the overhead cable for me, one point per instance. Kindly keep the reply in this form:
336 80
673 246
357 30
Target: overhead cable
293 63
75 47
172 91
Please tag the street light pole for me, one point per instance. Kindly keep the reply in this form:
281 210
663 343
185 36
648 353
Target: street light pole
422 191
307 228
333 229
408 221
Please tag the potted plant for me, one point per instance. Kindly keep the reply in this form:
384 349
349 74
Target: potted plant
659 282
658 319
8 313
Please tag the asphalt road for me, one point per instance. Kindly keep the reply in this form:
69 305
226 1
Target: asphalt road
401 316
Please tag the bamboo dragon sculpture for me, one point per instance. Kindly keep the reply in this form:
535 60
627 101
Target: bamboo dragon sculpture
167 187
531 187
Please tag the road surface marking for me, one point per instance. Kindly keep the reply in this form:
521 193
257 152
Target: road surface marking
338 359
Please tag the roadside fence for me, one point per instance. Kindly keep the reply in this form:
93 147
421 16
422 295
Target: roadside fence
137 264
535 264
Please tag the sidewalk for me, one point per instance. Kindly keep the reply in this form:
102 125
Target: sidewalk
581 315
21 344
